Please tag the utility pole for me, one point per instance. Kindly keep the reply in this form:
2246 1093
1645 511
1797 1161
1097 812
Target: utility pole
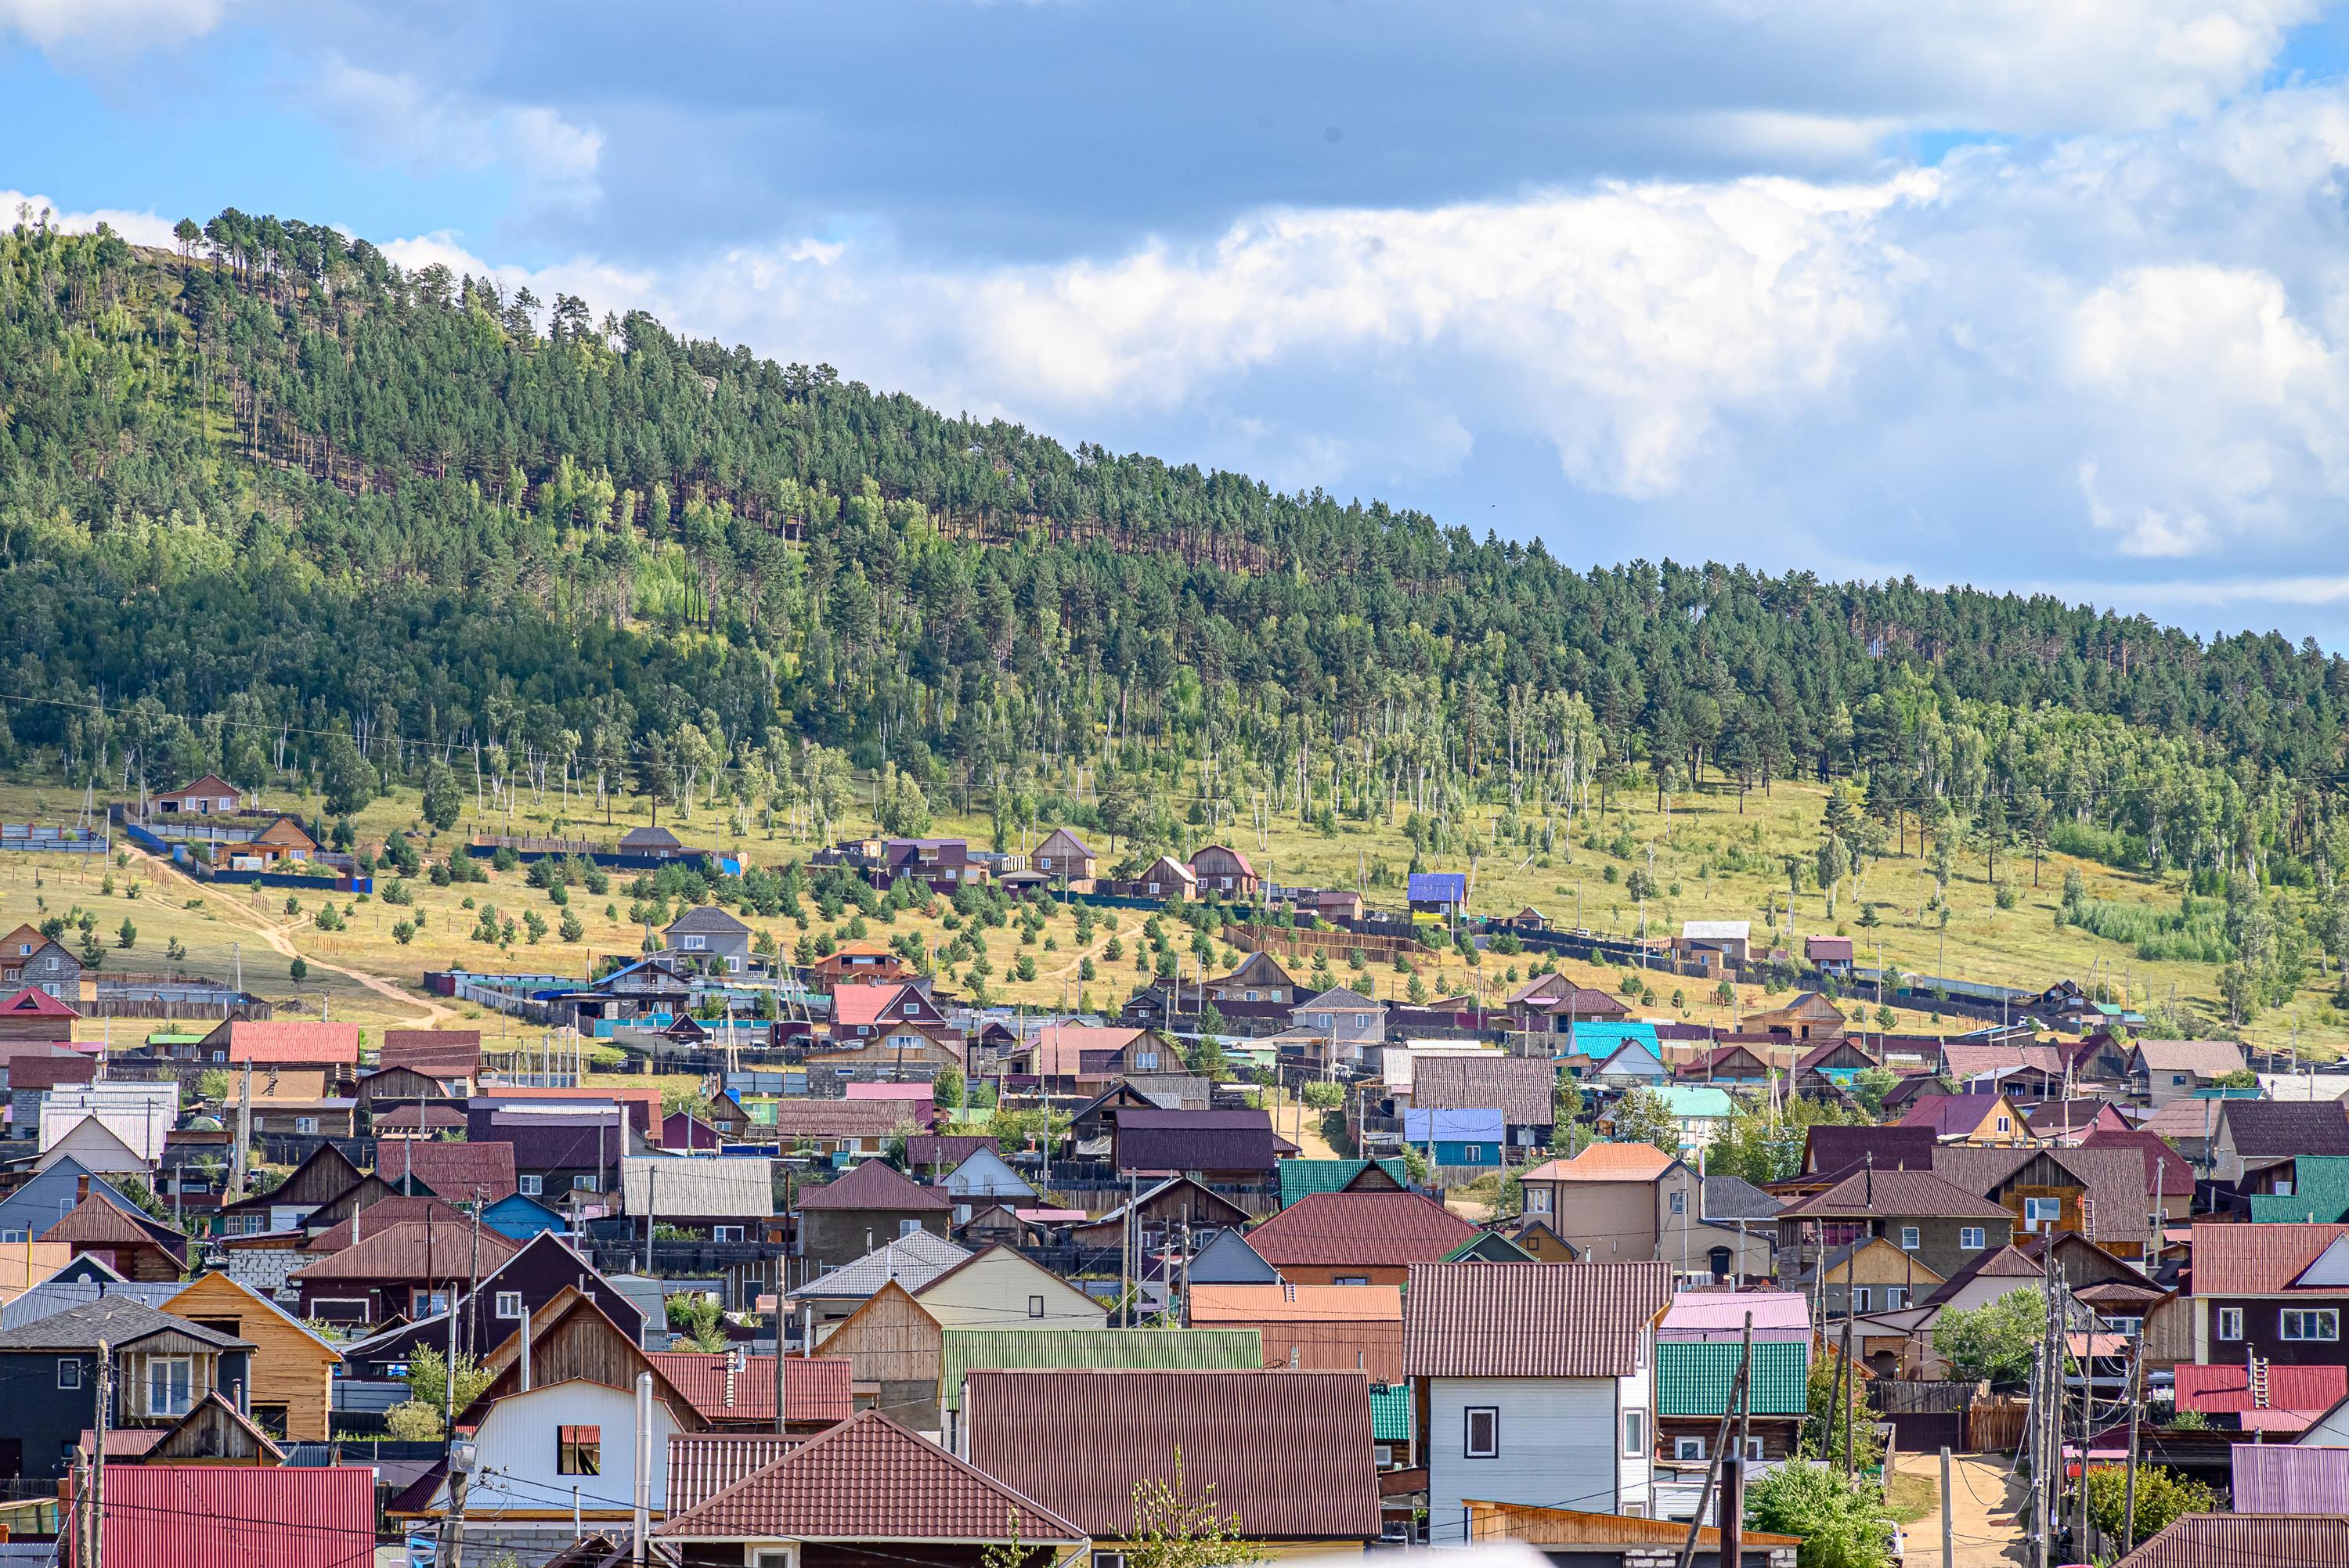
2045 1433
1846 1382
1732 1550
243 1135
1949 1536
97 1536
1720 1450
2128 1496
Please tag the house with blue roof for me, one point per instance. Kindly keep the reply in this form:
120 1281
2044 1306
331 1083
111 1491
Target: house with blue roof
1444 895
518 1218
1633 1064
1468 1140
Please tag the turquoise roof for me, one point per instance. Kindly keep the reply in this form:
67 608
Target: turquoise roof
1599 1038
1693 1378
1688 1099
1389 1413
1303 1178
2319 1193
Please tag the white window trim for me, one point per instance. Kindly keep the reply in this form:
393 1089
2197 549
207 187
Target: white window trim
2229 1325
1491 1450
1911 1238
2327 1317
508 1303
69 1371
530 1186
1971 1239
1635 1434
168 1406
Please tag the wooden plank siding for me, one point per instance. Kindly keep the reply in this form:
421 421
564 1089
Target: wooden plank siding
291 1368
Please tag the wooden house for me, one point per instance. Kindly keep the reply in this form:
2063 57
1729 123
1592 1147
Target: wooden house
283 840
1066 860
292 1393
1809 1017
209 795
214 1433
1219 869
891 1347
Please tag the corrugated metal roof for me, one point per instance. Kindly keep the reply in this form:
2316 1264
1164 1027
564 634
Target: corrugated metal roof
729 1187
816 1390
2257 1260
238 1516
2247 1540
869 1479
1288 1453
912 1261
1303 1178
1693 1378
703 1464
1379 1229
2272 1477
1296 1304
1390 1413
878 1185
1531 1320
1072 1349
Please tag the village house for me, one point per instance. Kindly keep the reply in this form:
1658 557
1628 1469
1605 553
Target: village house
1523 1090
1357 1238
162 1367
283 840
1553 1004
1311 1328
1868 1274
1066 860
2257 1135
1259 979
1715 946
872 1204
1539 1382
209 795
1920 1213
2275 1292
1829 955
2160 1071
1220 869
1233 1151
292 1392
1988 1118
1440 896
859 963
709 936
32 960
410 1268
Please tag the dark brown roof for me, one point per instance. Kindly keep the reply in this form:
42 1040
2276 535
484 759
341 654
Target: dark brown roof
1522 1088
455 1171
1531 1320
436 1053
1870 1195
2265 1128
96 1222
1288 1453
1830 1149
1386 1230
412 1249
2163 1164
876 1184
2246 1541
869 1479
1194 1140
2112 1179
796 1118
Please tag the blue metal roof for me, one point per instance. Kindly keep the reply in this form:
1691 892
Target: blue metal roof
1455 1125
1439 887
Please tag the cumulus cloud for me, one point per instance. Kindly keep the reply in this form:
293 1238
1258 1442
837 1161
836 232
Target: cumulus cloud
107 26
392 117
139 228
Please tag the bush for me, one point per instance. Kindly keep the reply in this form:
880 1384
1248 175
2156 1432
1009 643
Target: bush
1325 1095
1843 1523
412 1421
2162 1495
505 859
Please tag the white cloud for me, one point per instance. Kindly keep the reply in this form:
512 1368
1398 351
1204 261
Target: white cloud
388 116
139 228
108 26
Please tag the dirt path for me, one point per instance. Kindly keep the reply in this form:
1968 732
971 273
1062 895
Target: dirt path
1984 1504
278 937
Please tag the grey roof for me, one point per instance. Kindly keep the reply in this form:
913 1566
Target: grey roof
708 920
1338 996
728 1187
53 1296
114 1318
912 1261
1735 1198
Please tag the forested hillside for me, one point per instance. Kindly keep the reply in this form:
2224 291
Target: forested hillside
271 504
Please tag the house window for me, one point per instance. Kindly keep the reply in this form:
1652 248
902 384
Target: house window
1909 1238
1536 1200
1895 1297
1680 1202
725 1232
584 1184
1860 1296
1688 1448
426 1302
2038 1212
1635 1433
2004 1125
1970 1238
1320 1020
69 1372
305 1124
1349 1279
579 1451
1362 1020
692 944
508 1303
1752 1447
1145 1061
1251 995
2231 1323
1483 1433
1108 1560
170 1381
531 1186
2310 1323
1035 1306
907 1227
12 1237
1384 1454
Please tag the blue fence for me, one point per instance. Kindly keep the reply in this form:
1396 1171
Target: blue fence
179 856
726 863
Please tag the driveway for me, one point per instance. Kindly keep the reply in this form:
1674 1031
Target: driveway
1984 1513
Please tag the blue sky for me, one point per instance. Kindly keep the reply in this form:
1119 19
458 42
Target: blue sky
2041 294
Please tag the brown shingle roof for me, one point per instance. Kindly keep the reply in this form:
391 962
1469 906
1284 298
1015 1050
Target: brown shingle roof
2246 1541
1386 1229
838 1118
1531 1320
1828 1149
2112 1180
96 1222
455 1171
1522 1088
2257 1260
2267 1128
869 1479
411 1248
1903 1192
2204 1058
876 1184
436 1053
1288 1453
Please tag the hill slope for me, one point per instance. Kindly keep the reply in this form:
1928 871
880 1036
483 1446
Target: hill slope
278 508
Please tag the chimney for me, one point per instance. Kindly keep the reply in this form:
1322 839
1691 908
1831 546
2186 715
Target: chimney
733 1371
81 1187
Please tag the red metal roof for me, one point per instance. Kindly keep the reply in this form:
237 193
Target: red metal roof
1391 1229
815 1391
869 1479
2246 1541
2211 1390
703 1464
297 1040
239 1516
2257 1260
32 1002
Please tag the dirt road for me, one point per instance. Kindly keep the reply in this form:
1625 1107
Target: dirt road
1983 1520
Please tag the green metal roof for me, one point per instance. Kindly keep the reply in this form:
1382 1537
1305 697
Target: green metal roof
1693 1378
1136 1349
2320 1187
1697 1099
1303 1178
1490 1246
1389 1413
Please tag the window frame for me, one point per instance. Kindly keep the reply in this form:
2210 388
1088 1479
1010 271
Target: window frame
1912 1238
530 1186
69 1371
1635 1433
508 1303
2328 1317
572 1450
2229 1325
186 1397
1686 1448
1035 1306
1491 1447
1972 1238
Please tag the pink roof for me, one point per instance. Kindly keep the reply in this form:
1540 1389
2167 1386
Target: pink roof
1717 1315
238 1516
890 1091
2281 1478
2224 1388
297 1040
854 1005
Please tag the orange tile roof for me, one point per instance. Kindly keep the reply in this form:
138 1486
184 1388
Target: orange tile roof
1606 1163
297 1040
1244 1303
